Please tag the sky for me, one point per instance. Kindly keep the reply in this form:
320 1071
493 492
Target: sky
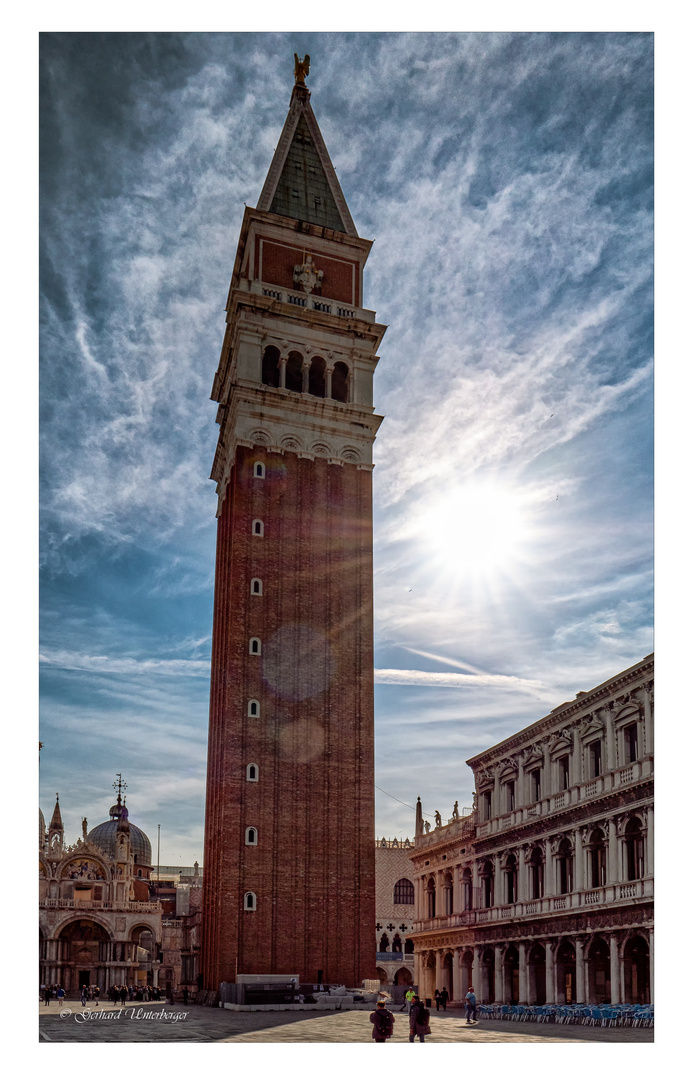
506 179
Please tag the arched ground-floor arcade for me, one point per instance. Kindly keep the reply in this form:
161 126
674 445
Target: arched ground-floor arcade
86 952
590 966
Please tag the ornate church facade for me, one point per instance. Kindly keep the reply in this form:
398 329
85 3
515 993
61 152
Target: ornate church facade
97 925
289 834
544 893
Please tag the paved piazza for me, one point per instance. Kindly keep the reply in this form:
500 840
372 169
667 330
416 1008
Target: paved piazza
196 1023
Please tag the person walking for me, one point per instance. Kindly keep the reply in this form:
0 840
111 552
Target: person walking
437 999
408 998
383 1023
47 995
419 1021
443 997
122 994
471 1006
83 995
60 995
96 995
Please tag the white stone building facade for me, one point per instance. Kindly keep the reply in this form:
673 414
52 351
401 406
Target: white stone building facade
394 912
544 894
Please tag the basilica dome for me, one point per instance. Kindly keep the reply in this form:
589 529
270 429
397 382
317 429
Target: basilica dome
104 836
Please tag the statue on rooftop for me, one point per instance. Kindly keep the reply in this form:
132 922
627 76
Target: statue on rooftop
301 68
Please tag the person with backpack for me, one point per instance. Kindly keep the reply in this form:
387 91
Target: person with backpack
419 1021
383 1022
471 1006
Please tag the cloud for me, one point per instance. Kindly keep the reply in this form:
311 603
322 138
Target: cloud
125 665
453 679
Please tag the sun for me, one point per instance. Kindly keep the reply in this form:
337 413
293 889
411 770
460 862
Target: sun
476 528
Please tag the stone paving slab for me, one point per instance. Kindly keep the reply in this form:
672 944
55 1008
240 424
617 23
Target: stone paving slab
158 1022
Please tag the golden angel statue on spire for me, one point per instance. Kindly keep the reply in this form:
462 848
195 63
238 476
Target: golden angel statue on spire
301 68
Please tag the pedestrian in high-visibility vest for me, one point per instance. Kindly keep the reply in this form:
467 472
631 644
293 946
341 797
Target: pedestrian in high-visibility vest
409 995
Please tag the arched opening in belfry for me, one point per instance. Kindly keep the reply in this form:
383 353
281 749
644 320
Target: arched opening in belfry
317 384
294 372
340 381
270 366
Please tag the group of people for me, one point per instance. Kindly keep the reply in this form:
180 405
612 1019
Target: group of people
90 993
383 1019
441 998
133 993
50 992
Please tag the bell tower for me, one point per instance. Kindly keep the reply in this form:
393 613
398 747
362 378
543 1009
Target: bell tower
288 882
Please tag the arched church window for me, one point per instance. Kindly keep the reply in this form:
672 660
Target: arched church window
256 587
259 470
255 646
258 528
340 381
404 892
249 901
252 773
254 708
252 836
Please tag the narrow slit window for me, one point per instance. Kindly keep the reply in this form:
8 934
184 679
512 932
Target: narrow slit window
251 836
254 708
255 646
256 587
252 773
249 901
258 528
259 470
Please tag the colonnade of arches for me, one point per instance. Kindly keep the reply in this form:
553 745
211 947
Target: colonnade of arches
596 969
85 953
607 852
306 375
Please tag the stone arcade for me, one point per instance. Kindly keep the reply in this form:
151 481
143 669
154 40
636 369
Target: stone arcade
289 832
544 893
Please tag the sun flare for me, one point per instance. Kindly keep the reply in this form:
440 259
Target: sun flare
477 528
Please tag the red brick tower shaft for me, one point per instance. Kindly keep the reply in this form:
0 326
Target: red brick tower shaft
289 842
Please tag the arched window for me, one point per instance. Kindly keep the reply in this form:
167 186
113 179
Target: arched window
340 381
448 894
597 859
383 943
511 875
486 805
256 587
255 646
634 850
258 528
252 836
404 892
249 901
252 773
565 867
270 366
294 372
488 884
397 945
431 899
630 743
409 946
467 890
537 873
254 707
317 384
259 470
